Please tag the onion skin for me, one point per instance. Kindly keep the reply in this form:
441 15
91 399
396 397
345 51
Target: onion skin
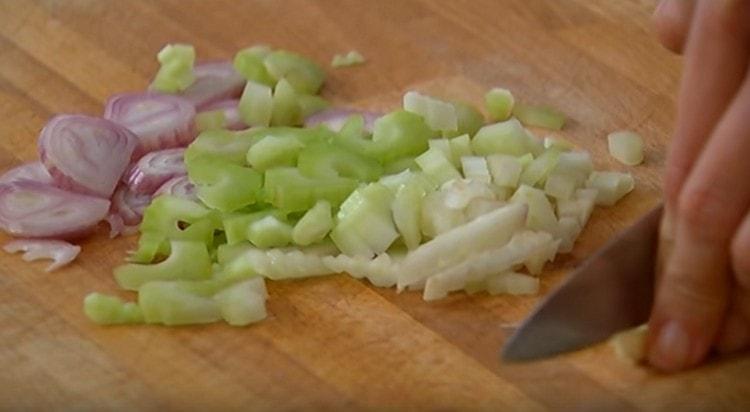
62 253
160 121
35 210
335 118
154 169
34 171
214 81
86 154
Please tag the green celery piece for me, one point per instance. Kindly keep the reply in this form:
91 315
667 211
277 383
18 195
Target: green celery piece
460 146
330 160
311 104
306 135
249 63
150 245
314 225
269 232
176 71
289 190
229 251
364 219
539 116
407 207
224 186
168 303
274 151
210 120
187 260
470 120
111 310
241 304
285 109
301 73
507 137
537 170
526 159
236 227
256 104
400 165
225 145
437 114
444 146
354 137
437 167
165 214
400 134
499 103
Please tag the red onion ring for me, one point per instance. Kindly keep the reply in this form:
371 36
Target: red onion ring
153 169
160 121
60 252
214 81
34 171
86 154
334 119
32 209
129 205
179 187
232 119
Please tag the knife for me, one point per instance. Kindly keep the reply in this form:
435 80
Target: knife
611 291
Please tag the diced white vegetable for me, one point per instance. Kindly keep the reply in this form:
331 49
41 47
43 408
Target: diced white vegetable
460 146
508 137
512 283
437 167
630 345
539 168
568 229
492 229
575 164
505 169
243 303
551 142
611 186
541 216
438 115
560 186
475 168
444 146
275 264
381 271
499 102
436 217
458 193
626 146
502 193
579 208
481 206
546 253
407 213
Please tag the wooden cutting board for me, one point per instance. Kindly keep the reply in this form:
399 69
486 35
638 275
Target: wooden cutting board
337 343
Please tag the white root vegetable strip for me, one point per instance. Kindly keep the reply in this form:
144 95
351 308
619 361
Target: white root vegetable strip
61 253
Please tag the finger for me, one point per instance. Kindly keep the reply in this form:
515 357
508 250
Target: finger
735 334
693 294
672 22
716 56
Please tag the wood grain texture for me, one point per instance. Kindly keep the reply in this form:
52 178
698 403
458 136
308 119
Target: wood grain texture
337 343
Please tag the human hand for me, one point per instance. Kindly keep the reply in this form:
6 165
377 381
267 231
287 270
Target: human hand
703 292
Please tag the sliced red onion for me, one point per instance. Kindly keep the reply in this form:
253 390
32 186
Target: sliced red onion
86 154
129 205
32 209
179 187
160 121
34 171
153 169
214 81
60 252
335 118
118 227
232 119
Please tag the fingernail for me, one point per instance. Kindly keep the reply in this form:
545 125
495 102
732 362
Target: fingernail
672 349
735 337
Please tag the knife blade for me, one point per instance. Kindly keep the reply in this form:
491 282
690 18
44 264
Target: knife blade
609 292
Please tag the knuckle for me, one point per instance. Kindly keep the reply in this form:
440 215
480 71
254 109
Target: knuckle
703 211
694 295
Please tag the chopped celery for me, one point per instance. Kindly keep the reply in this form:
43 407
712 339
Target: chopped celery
505 170
150 246
289 190
365 217
381 271
499 103
285 110
210 120
256 104
560 186
269 232
225 145
539 116
111 310
458 193
475 168
274 151
352 58
224 186
577 165
469 120
407 208
539 168
526 159
168 216
302 74
437 167
329 160
169 303
626 147
311 104
176 71
436 217
558 143
438 115
241 304
540 216
611 186
507 137
314 225
400 165
275 264
400 134
187 260
249 63
236 226
460 146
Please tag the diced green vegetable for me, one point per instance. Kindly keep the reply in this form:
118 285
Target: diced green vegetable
407 208
286 110
301 73
249 63
289 190
270 231
256 104
242 304
187 261
176 71
438 115
314 225
560 186
499 103
507 137
225 145
365 216
168 303
436 217
274 151
352 58
224 186
111 310
210 120
311 104
475 168
444 146
236 226
460 146
539 116
436 167
470 120
537 171
329 160
626 147
400 134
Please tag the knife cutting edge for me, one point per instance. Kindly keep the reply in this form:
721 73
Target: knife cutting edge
611 291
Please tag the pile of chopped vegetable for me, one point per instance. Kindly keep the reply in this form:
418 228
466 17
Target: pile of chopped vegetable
236 172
